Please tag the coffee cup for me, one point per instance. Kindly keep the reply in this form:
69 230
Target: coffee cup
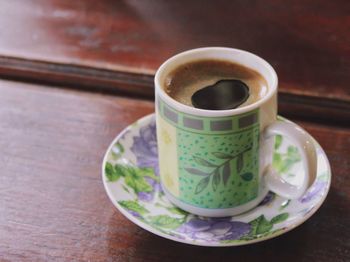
219 162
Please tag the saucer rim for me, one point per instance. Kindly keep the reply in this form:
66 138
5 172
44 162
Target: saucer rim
216 244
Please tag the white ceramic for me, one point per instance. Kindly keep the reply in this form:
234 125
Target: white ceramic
130 175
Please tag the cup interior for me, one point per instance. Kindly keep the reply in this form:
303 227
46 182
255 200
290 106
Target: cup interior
244 58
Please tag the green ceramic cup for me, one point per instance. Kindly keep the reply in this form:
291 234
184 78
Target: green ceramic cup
218 162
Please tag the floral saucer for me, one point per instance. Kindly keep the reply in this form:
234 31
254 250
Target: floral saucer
131 178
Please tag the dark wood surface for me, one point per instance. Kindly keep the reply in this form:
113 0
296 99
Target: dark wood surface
117 45
53 206
53 133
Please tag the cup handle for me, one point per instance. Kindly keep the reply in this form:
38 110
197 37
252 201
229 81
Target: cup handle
307 150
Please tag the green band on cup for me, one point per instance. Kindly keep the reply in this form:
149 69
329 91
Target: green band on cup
217 125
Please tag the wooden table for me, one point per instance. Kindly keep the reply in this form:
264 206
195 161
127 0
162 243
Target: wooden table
75 73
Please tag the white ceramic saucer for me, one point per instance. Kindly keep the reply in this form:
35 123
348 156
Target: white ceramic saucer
131 178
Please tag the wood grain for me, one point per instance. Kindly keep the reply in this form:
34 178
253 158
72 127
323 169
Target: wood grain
117 45
53 206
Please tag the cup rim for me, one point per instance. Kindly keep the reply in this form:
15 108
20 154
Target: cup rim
213 113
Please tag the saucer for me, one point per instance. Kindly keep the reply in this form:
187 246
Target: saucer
131 178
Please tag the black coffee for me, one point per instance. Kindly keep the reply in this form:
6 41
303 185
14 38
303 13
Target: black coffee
215 84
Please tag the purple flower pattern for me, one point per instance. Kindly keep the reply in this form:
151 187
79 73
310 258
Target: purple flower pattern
148 196
315 191
134 213
213 230
145 149
267 199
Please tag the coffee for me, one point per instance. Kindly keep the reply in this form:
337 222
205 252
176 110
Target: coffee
185 81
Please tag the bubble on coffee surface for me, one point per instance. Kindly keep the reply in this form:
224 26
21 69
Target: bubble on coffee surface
224 94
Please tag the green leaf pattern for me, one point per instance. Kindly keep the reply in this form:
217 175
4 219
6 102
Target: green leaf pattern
283 162
239 163
224 168
134 177
279 218
222 155
203 162
133 205
261 226
202 184
111 173
226 172
278 141
247 176
195 171
165 221
216 179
